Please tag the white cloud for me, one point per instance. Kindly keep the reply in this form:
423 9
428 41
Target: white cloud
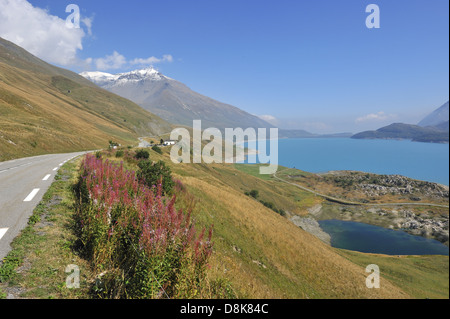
111 62
40 33
152 60
47 37
118 61
380 116
88 23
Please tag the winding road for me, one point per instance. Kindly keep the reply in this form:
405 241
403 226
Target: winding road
345 202
23 182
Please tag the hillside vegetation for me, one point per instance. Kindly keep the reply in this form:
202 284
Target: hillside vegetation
264 255
257 252
45 109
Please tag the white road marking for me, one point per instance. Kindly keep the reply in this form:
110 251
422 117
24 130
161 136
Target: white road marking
32 194
3 232
46 177
55 168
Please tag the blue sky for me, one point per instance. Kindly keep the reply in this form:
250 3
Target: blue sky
310 64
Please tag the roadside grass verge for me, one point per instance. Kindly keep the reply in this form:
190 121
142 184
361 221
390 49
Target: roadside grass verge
35 268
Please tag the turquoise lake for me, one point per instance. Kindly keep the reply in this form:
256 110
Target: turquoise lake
373 239
423 161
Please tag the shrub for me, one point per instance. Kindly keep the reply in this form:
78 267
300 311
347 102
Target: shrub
154 174
142 154
254 193
281 212
119 153
268 205
143 247
272 206
157 149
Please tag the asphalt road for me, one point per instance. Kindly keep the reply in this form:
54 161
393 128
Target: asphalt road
23 183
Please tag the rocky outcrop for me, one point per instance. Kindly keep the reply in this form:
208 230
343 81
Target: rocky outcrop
311 226
374 185
398 184
423 225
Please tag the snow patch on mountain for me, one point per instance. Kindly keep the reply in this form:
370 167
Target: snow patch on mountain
108 80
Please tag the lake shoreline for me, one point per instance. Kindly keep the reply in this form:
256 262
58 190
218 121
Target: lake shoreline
421 161
367 238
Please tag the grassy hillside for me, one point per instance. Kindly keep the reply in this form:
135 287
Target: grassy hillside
264 255
44 109
257 253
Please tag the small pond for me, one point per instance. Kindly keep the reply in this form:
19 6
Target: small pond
374 239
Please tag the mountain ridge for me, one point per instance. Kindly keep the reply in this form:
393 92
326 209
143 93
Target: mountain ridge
432 129
178 104
46 109
174 101
437 117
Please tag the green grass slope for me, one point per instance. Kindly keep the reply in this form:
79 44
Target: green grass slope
45 109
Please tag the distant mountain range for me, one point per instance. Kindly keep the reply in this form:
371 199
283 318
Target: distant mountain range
174 101
439 118
46 109
178 104
433 129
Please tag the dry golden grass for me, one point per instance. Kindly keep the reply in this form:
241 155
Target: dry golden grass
264 255
41 113
298 265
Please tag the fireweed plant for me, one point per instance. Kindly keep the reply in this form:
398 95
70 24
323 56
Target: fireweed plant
141 246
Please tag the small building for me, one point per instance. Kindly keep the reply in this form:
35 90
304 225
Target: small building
169 142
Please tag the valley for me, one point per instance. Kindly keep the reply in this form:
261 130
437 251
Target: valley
89 179
45 109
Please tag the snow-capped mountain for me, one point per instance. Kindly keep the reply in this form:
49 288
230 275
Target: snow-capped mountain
172 100
109 80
